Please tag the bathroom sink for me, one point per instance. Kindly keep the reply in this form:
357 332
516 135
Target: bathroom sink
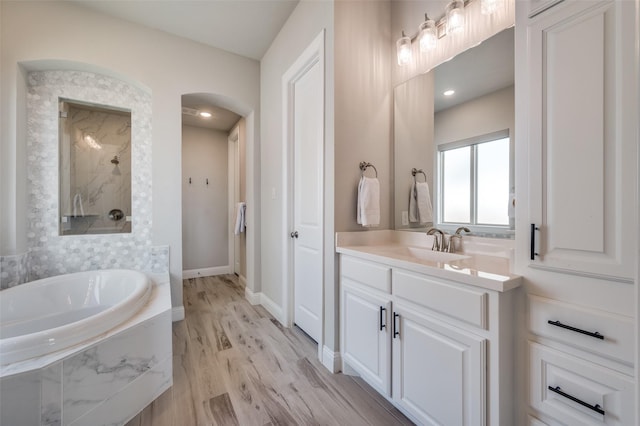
424 254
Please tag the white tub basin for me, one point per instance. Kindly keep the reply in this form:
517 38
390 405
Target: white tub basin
54 313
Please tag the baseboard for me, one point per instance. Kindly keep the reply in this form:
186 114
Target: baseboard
272 307
177 313
206 272
253 298
243 281
331 360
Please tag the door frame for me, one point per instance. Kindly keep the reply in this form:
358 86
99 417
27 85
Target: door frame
233 195
312 55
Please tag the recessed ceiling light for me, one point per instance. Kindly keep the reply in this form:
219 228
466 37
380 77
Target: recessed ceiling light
205 114
449 92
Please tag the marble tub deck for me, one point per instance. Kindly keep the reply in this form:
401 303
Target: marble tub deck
105 380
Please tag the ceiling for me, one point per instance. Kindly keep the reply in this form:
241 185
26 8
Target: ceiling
476 72
244 27
221 119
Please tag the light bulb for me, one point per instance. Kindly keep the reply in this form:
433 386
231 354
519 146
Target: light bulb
427 34
488 7
455 16
403 47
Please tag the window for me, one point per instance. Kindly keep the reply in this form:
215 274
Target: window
474 181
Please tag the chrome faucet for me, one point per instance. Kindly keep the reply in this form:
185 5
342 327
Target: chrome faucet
452 248
438 245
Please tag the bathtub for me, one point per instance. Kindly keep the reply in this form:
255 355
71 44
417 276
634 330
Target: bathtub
52 314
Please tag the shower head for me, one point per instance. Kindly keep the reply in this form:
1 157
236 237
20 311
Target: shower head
115 160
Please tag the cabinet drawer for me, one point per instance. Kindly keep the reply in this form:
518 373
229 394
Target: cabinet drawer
575 391
617 331
368 273
458 302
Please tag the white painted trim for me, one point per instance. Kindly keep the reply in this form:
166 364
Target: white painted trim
206 272
177 313
332 361
313 54
232 175
272 308
253 298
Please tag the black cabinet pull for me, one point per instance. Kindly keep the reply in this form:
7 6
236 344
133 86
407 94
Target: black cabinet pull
595 408
534 228
381 315
577 330
395 326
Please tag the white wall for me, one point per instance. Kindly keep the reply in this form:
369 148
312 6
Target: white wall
205 221
486 114
363 105
168 66
305 23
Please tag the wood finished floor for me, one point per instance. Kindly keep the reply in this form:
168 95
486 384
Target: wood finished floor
234 364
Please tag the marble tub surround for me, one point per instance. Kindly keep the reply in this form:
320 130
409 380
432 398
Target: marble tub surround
51 253
105 380
482 262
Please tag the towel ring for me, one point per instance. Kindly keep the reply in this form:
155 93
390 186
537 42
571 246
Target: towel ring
415 171
364 165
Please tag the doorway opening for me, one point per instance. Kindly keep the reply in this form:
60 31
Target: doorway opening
213 185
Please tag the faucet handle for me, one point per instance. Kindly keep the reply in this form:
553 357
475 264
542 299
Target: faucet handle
463 228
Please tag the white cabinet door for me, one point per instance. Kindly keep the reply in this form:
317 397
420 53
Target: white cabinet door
366 344
438 370
582 119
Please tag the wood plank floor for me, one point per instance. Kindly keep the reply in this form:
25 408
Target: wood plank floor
234 364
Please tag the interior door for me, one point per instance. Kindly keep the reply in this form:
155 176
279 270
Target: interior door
308 145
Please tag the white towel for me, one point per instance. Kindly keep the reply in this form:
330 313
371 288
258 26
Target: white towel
368 211
420 209
241 211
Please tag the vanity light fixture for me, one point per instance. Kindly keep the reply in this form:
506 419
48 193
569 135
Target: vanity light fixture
403 48
488 7
455 16
449 92
204 114
427 35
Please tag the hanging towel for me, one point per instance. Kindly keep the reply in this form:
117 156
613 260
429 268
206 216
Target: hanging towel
368 209
420 209
241 211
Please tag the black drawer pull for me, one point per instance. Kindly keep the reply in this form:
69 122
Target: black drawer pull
395 326
577 330
381 315
595 408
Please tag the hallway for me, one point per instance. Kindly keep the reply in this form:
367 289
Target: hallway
234 364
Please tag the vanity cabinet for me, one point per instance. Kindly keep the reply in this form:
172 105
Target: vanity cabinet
439 350
577 210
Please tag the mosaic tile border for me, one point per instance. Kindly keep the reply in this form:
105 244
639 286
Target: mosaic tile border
51 254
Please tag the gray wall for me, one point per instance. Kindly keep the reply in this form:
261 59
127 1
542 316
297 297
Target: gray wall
205 217
34 33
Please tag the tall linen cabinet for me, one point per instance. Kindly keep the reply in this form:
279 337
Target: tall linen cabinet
577 209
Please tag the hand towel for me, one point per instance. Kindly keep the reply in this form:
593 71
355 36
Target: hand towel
368 208
420 208
241 211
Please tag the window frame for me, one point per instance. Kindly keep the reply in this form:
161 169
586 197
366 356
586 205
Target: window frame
473 142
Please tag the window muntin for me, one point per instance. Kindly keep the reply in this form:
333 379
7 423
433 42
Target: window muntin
475 186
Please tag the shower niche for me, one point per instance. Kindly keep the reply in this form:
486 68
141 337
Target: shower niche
94 168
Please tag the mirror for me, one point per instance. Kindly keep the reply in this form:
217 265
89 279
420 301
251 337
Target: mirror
430 126
95 168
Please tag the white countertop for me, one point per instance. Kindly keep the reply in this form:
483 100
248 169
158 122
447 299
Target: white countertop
487 262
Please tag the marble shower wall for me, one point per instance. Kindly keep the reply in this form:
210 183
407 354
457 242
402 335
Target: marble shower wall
49 253
90 139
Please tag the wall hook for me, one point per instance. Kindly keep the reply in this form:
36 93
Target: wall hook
207 181
189 181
